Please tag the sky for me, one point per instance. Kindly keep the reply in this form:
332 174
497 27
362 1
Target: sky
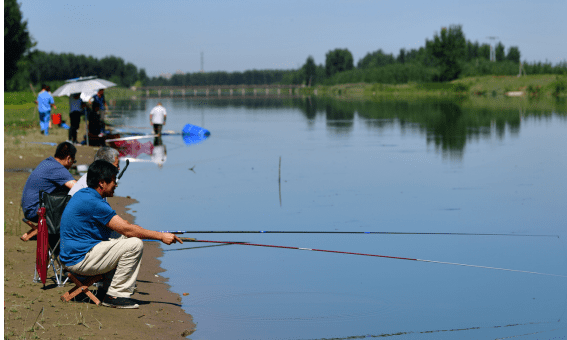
170 35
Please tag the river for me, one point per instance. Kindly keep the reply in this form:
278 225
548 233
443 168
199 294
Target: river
429 176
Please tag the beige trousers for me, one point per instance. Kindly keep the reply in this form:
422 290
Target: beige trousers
119 258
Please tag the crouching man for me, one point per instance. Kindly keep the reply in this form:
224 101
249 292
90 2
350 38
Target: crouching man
85 245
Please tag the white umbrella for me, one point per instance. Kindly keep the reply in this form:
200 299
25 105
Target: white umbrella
86 96
80 86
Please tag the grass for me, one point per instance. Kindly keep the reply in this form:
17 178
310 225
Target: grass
541 92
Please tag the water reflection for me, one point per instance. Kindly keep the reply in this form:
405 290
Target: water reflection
159 153
446 124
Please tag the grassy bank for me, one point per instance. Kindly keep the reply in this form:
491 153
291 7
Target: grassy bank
543 91
21 115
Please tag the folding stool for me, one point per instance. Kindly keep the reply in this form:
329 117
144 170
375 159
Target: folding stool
82 286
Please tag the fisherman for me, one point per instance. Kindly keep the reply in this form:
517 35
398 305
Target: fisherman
158 116
99 98
85 245
94 123
45 102
105 153
51 175
76 107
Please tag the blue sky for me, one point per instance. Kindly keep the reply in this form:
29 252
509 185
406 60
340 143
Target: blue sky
169 35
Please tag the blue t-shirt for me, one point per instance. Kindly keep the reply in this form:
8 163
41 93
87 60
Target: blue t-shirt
44 101
83 225
100 100
48 176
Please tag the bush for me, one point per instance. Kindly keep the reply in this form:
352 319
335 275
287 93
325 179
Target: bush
533 90
558 86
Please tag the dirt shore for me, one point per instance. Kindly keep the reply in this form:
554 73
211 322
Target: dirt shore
34 312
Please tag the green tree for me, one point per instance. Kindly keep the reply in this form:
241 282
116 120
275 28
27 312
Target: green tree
376 59
338 60
484 51
448 47
499 52
309 70
402 56
17 40
513 54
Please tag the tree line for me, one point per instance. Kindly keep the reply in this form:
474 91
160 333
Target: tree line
447 56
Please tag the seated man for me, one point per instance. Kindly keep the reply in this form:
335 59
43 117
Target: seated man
51 175
105 153
85 245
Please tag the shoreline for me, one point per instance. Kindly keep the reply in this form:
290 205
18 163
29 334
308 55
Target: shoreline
35 312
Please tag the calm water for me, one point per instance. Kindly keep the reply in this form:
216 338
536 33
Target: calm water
410 167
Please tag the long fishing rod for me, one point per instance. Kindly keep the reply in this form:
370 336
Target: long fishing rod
343 232
372 255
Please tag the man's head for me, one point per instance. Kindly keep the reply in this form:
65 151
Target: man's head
100 92
108 154
43 86
65 154
76 95
101 176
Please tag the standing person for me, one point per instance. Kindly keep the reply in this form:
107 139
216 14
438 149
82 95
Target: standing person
85 245
157 118
76 107
45 102
99 98
94 124
52 174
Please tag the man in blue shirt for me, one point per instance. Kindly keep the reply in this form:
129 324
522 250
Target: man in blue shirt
51 175
99 98
85 245
45 102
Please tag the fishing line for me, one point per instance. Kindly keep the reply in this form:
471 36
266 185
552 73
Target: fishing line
215 245
373 255
343 232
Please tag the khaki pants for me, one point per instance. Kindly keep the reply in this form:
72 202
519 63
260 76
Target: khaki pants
119 259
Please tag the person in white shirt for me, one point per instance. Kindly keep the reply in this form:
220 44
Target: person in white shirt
106 154
157 118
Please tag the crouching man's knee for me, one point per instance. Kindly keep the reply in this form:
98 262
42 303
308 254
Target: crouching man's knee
134 244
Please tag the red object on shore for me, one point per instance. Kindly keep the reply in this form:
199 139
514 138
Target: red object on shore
56 117
42 252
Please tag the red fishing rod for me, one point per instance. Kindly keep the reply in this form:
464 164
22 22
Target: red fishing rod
371 255
346 232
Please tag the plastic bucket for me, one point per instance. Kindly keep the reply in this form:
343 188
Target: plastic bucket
56 117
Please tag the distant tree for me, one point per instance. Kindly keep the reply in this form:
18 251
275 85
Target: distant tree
375 59
513 54
17 40
142 76
472 50
338 60
402 56
500 53
448 47
309 70
484 51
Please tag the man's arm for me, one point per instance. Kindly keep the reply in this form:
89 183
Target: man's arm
122 226
70 184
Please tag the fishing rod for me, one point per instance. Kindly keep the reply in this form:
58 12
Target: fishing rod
371 255
343 232
122 173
